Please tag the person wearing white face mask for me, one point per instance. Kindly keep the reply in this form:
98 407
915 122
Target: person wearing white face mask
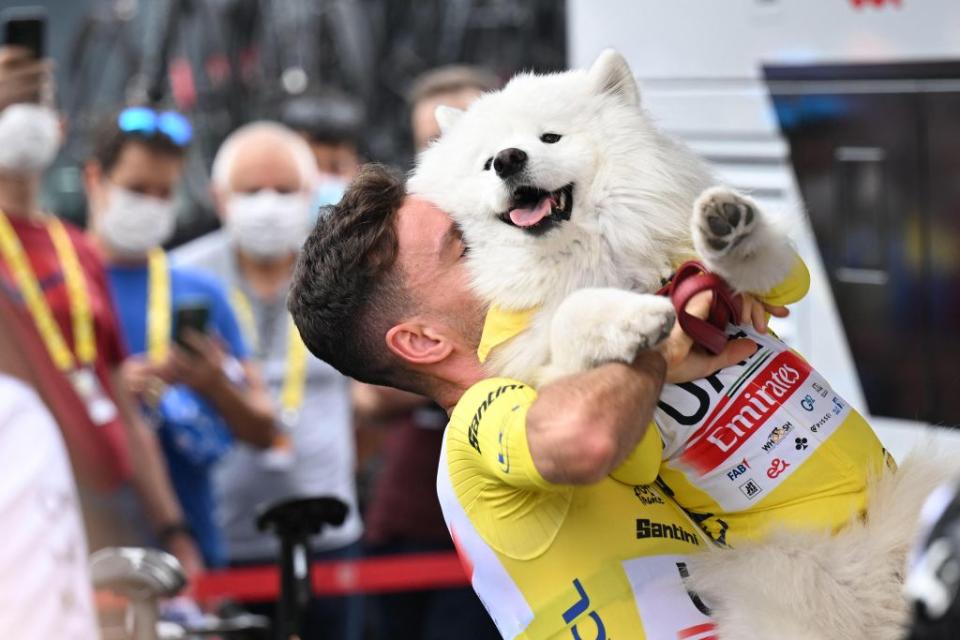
205 393
55 278
262 178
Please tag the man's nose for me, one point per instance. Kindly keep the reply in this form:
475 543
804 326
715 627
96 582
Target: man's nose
509 161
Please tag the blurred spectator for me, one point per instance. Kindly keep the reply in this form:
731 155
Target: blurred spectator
59 281
403 514
262 178
331 124
214 391
451 86
45 587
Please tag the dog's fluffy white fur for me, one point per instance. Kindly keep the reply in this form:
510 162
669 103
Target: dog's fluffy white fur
816 586
642 202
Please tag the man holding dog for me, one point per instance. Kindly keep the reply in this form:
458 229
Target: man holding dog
554 544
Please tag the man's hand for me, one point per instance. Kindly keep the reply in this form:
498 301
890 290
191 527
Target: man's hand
201 370
185 549
755 312
23 78
685 361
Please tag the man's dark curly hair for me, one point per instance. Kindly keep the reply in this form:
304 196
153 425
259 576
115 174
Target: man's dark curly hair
347 291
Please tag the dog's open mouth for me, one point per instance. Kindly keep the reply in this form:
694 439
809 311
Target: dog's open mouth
536 211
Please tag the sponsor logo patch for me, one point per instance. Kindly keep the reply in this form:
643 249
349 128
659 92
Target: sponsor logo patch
735 420
777 467
739 470
646 495
750 488
647 528
777 434
473 431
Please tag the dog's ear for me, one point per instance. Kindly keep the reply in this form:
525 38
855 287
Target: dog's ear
447 116
611 74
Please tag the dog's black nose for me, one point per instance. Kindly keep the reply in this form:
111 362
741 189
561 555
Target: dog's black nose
509 161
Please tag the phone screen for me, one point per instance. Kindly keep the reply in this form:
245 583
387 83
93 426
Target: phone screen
190 316
25 27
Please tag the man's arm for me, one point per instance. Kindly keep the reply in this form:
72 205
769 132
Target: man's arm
152 483
247 409
580 428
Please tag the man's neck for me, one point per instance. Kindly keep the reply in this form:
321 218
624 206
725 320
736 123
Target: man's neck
266 277
20 196
448 384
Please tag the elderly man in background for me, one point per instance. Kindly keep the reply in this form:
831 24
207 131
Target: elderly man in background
263 175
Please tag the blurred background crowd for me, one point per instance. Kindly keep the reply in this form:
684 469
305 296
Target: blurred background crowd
187 146
162 160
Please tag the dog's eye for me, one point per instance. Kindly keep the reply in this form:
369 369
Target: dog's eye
487 164
550 138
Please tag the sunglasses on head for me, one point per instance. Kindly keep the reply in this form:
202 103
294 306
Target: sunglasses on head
147 121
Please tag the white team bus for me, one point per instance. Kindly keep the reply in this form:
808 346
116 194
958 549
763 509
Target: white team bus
844 116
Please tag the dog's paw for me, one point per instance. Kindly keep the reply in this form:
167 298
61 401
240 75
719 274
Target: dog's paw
594 326
722 221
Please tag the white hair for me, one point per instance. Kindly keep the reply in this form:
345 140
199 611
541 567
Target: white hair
227 153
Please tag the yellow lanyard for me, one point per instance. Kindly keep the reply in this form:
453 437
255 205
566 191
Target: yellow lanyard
295 380
80 313
158 306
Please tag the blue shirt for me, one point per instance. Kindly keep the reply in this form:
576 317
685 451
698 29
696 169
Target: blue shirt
191 432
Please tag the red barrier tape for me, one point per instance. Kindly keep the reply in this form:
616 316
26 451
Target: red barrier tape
407 572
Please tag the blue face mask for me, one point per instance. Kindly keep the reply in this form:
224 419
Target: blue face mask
328 192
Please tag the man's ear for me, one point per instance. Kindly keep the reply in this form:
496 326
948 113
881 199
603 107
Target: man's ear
219 200
418 343
447 116
611 74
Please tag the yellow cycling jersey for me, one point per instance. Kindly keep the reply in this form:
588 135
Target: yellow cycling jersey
548 561
764 443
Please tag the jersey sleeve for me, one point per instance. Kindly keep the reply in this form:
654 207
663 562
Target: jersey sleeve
793 288
643 464
488 460
492 418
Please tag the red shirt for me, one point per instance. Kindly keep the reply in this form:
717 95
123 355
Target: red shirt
404 505
110 439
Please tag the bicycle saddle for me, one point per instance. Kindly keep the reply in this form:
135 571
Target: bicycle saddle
301 516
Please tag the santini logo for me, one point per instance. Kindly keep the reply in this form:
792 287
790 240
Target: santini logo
474 429
649 529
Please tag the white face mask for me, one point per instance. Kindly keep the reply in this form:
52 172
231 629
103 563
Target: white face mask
267 224
29 137
133 223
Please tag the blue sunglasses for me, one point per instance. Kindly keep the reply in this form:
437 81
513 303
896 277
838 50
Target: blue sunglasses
147 121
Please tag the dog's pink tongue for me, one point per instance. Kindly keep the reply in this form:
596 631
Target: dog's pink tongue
531 216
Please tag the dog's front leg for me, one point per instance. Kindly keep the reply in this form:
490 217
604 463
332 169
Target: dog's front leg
598 325
739 242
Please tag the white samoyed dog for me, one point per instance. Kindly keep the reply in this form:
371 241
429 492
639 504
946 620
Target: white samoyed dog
573 204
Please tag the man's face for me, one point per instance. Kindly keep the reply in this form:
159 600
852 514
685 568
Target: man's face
431 257
338 159
423 121
263 164
138 169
